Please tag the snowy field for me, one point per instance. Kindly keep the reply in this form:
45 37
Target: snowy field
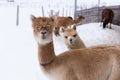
18 49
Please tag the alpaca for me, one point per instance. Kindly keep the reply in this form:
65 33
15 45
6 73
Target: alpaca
75 64
107 17
64 22
72 39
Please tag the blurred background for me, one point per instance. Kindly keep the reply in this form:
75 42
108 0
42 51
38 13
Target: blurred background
71 8
18 49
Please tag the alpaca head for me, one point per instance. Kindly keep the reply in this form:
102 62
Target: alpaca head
42 29
70 34
81 17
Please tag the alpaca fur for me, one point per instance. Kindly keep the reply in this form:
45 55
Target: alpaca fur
64 22
104 46
75 64
71 38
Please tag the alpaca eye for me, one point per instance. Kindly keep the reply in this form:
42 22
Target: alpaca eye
75 35
66 37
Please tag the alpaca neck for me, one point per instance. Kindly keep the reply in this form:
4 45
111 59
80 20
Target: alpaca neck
76 21
46 53
80 43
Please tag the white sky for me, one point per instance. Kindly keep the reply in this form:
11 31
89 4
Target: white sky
54 3
71 2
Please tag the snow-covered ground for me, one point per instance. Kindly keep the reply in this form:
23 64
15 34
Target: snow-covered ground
94 34
18 49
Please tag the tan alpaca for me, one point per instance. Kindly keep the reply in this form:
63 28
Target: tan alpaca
75 64
72 39
64 22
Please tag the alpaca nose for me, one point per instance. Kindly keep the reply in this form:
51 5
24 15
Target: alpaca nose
43 32
70 40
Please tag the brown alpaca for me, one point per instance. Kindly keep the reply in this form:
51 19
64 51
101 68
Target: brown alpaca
75 64
64 22
107 17
72 39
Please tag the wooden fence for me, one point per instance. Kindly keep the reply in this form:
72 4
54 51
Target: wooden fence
94 14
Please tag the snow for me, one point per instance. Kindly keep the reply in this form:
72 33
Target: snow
94 34
18 49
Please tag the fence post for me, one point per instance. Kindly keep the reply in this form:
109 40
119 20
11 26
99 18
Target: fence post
63 12
98 10
75 9
17 17
66 12
42 11
70 11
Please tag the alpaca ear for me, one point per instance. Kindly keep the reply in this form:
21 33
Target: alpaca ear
33 18
74 26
